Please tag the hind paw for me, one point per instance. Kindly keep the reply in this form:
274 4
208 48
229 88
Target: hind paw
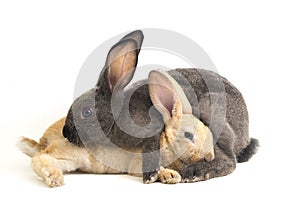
53 177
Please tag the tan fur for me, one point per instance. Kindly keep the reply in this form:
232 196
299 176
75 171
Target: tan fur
185 151
55 155
169 176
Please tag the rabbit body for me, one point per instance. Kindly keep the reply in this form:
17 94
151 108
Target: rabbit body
223 109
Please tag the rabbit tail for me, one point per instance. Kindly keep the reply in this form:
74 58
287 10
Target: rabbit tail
29 146
249 151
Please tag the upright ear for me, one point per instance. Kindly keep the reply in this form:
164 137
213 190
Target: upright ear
138 36
121 61
167 95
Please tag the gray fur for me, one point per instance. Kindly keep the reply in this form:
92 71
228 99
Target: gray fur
219 106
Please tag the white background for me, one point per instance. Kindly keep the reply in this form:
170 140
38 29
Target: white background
255 44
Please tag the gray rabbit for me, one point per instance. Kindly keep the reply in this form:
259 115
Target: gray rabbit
110 115
185 140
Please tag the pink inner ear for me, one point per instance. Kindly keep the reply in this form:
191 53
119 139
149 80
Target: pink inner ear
164 94
165 97
122 69
117 69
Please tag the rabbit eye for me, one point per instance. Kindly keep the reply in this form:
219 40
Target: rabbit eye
189 136
87 112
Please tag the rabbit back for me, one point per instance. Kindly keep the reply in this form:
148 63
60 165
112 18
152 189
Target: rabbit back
221 106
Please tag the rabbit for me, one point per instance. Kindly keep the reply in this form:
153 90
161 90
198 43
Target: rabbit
111 115
184 140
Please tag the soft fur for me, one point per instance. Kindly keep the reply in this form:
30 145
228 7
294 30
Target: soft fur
127 119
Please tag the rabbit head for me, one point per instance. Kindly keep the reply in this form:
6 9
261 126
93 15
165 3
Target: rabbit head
90 115
184 135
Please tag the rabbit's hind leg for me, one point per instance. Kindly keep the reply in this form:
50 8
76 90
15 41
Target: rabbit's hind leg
51 163
46 167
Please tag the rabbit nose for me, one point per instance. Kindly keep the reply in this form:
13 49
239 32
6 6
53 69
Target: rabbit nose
66 132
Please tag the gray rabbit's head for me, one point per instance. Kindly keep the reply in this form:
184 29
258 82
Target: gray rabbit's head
90 115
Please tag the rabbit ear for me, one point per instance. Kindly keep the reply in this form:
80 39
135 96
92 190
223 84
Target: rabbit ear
167 95
121 61
137 36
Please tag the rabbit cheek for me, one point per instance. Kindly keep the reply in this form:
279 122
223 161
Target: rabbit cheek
189 155
195 156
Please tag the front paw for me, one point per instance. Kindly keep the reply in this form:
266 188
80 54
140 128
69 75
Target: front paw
53 177
193 173
150 177
169 176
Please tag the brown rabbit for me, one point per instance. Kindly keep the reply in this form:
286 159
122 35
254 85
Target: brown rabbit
185 140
